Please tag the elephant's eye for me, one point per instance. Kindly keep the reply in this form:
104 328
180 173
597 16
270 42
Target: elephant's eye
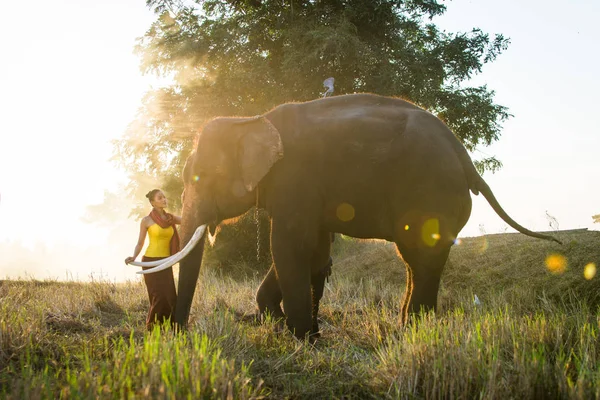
201 175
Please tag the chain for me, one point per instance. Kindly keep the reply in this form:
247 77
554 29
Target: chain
257 220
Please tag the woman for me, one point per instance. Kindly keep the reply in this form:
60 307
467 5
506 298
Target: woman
164 241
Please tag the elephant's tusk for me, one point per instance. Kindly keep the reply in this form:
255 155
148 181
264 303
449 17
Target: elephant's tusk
175 258
162 261
151 263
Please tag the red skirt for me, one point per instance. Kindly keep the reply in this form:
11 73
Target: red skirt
161 293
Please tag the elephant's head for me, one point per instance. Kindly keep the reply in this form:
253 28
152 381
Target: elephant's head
231 157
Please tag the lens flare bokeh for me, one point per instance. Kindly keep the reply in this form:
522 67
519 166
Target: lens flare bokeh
345 212
556 263
430 233
589 271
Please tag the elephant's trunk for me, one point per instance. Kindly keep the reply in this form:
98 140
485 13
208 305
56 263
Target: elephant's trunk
189 267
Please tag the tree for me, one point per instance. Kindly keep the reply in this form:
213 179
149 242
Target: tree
596 218
242 57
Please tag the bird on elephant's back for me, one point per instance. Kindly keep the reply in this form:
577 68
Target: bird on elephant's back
362 165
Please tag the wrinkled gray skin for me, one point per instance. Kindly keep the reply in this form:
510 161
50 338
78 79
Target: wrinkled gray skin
363 165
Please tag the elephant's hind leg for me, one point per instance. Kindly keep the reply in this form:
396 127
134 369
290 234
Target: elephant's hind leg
321 264
424 239
407 294
269 295
423 274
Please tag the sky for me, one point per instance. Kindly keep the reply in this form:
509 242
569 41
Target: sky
70 83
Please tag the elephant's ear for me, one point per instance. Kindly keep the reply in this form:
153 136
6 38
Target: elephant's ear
259 148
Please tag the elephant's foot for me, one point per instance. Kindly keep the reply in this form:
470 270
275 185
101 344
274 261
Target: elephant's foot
313 338
412 316
257 319
253 319
278 318
315 331
272 310
268 308
301 329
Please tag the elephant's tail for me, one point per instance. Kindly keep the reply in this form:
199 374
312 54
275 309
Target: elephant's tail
478 185
481 186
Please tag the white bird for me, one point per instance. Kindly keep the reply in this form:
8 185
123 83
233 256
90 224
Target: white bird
482 229
476 300
328 84
552 221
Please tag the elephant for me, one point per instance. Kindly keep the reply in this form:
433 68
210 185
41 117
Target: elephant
363 165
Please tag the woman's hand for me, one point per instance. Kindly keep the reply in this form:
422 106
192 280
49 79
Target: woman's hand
141 239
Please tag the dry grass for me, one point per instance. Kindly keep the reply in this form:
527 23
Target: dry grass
534 335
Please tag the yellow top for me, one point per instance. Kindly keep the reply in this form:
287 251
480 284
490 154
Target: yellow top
160 241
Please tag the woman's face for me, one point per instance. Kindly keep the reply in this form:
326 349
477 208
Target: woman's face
160 201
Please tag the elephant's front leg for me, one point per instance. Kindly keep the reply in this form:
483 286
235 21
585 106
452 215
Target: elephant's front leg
269 296
293 247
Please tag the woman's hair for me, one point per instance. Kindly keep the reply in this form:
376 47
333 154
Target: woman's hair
150 195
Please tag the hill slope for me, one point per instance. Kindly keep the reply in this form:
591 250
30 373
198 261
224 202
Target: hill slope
492 266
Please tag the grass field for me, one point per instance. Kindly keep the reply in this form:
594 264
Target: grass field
533 335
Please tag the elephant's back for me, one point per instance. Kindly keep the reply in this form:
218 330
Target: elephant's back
373 153
365 136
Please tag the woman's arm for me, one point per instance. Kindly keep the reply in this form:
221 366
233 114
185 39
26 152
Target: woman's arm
177 219
140 243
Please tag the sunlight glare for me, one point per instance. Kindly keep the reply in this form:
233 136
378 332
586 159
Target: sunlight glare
484 246
211 238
